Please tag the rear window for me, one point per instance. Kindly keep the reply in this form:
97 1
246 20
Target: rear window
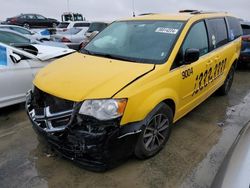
217 32
234 30
63 25
246 29
81 25
97 26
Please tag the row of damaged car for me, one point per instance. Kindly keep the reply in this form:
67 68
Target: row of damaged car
69 33
24 51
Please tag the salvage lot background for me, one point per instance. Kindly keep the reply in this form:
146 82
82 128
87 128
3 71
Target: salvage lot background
190 159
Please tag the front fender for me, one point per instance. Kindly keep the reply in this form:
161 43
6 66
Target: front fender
138 107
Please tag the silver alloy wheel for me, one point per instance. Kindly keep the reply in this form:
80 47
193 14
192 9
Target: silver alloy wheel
156 131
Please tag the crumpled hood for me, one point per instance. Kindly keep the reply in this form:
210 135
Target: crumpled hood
78 77
49 52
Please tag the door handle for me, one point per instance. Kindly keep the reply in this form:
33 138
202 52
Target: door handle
209 62
217 58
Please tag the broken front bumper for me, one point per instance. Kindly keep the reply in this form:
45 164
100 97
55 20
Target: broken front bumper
95 145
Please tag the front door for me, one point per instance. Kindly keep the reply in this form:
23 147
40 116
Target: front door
194 78
15 78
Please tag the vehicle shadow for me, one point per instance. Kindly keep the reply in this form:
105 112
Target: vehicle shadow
11 109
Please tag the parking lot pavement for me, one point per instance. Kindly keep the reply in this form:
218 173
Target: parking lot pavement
198 143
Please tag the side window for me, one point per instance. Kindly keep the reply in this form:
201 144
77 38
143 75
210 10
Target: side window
21 30
196 38
217 32
30 17
8 38
40 17
234 30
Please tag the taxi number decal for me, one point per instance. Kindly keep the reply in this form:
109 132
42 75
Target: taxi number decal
205 78
186 73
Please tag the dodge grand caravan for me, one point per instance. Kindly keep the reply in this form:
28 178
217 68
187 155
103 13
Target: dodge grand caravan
122 93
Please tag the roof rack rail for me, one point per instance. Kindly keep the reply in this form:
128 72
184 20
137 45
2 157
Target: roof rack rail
197 12
188 11
145 14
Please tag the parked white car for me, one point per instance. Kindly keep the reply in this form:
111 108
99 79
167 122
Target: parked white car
36 34
72 37
66 25
18 68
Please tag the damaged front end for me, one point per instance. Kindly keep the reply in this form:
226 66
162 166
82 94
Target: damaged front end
94 144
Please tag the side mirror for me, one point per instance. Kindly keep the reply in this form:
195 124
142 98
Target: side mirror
15 58
191 55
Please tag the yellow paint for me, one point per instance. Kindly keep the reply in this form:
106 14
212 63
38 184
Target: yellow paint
79 77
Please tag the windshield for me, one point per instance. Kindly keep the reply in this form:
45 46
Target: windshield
97 26
78 17
139 41
63 25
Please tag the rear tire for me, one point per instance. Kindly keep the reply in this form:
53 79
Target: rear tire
26 25
225 88
155 132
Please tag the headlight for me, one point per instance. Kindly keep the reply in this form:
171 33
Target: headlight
105 109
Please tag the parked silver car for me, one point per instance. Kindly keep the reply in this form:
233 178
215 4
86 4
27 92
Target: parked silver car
14 38
66 25
18 68
72 37
41 34
235 170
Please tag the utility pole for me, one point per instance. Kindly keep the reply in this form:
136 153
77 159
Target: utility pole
68 5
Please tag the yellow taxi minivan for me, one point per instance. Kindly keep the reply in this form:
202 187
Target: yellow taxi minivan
122 93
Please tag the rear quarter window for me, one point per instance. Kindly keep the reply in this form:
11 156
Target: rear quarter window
246 29
217 32
234 28
81 25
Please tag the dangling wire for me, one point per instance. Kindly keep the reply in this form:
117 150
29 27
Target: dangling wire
133 4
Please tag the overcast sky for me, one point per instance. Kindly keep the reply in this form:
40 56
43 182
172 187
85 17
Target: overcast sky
115 9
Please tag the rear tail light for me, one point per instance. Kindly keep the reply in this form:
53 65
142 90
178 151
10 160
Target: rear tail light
64 39
13 20
246 38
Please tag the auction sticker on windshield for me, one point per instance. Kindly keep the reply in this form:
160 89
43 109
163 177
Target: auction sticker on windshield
3 56
166 30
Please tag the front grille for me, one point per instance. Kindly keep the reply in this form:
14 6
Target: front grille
42 100
50 113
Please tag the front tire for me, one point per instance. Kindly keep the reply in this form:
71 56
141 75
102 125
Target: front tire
155 132
225 88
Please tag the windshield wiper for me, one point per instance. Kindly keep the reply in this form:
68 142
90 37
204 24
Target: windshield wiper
86 51
116 57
